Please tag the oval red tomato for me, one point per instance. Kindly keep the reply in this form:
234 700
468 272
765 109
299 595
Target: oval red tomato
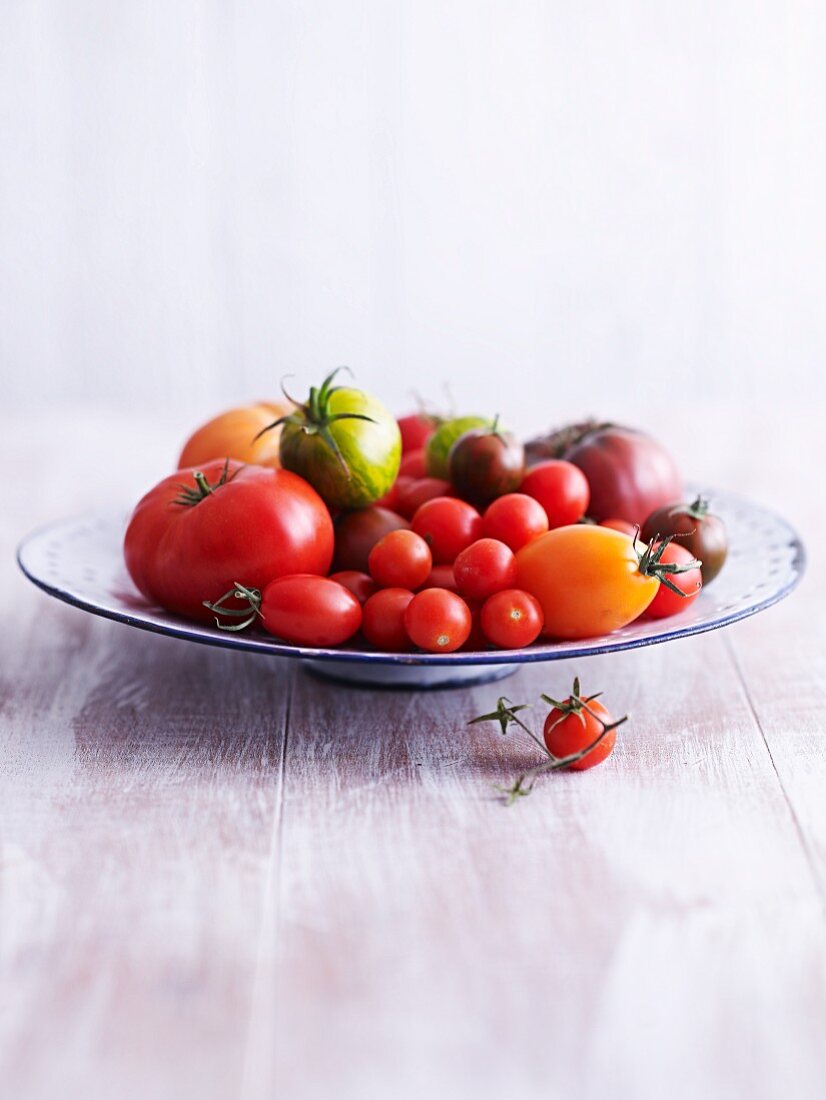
308 610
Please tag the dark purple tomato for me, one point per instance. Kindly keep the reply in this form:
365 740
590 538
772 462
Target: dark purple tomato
629 473
695 528
486 463
358 532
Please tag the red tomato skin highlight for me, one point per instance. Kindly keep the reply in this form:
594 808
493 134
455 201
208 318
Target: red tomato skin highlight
561 488
383 620
310 610
511 619
262 523
438 621
565 735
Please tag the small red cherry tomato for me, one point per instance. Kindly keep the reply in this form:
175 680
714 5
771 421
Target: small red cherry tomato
515 519
622 525
568 733
666 602
437 620
484 567
356 582
413 493
383 620
412 465
447 525
561 488
416 429
441 576
306 610
511 619
402 559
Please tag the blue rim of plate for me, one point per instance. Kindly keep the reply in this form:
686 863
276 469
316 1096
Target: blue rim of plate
204 635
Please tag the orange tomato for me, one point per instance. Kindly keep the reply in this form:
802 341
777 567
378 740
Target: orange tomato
232 434
588 580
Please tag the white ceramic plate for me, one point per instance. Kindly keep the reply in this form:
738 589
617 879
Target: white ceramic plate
79 561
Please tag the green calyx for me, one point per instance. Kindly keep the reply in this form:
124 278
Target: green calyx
313 417
651 564
698 509
251 596
189 496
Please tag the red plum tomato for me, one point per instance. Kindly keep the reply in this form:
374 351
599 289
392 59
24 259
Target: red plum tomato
308 610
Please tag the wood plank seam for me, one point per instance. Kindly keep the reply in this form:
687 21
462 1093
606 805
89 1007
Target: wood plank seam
810 860
251 1069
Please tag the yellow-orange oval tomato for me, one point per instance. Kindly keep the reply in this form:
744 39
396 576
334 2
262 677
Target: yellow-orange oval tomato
232 434
586 578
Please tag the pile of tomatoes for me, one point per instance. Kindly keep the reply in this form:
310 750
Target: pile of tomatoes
327 521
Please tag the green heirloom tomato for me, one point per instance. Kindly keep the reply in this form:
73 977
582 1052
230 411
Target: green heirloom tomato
344 442
439 444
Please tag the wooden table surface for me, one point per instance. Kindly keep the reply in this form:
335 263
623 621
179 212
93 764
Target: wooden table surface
221 878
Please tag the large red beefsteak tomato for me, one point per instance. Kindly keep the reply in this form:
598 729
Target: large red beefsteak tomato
201 530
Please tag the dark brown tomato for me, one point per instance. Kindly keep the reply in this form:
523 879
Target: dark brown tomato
485 464
694 527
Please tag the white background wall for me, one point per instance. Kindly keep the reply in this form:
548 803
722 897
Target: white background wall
549 204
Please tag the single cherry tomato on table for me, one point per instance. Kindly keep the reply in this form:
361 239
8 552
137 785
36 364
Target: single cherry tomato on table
511 619
561 488
383 619
575 723
437 620
301 609
514 519
447 525
402 559
484 567
197 531
694 527
358 532
590 580
360 584
486 463
667 602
